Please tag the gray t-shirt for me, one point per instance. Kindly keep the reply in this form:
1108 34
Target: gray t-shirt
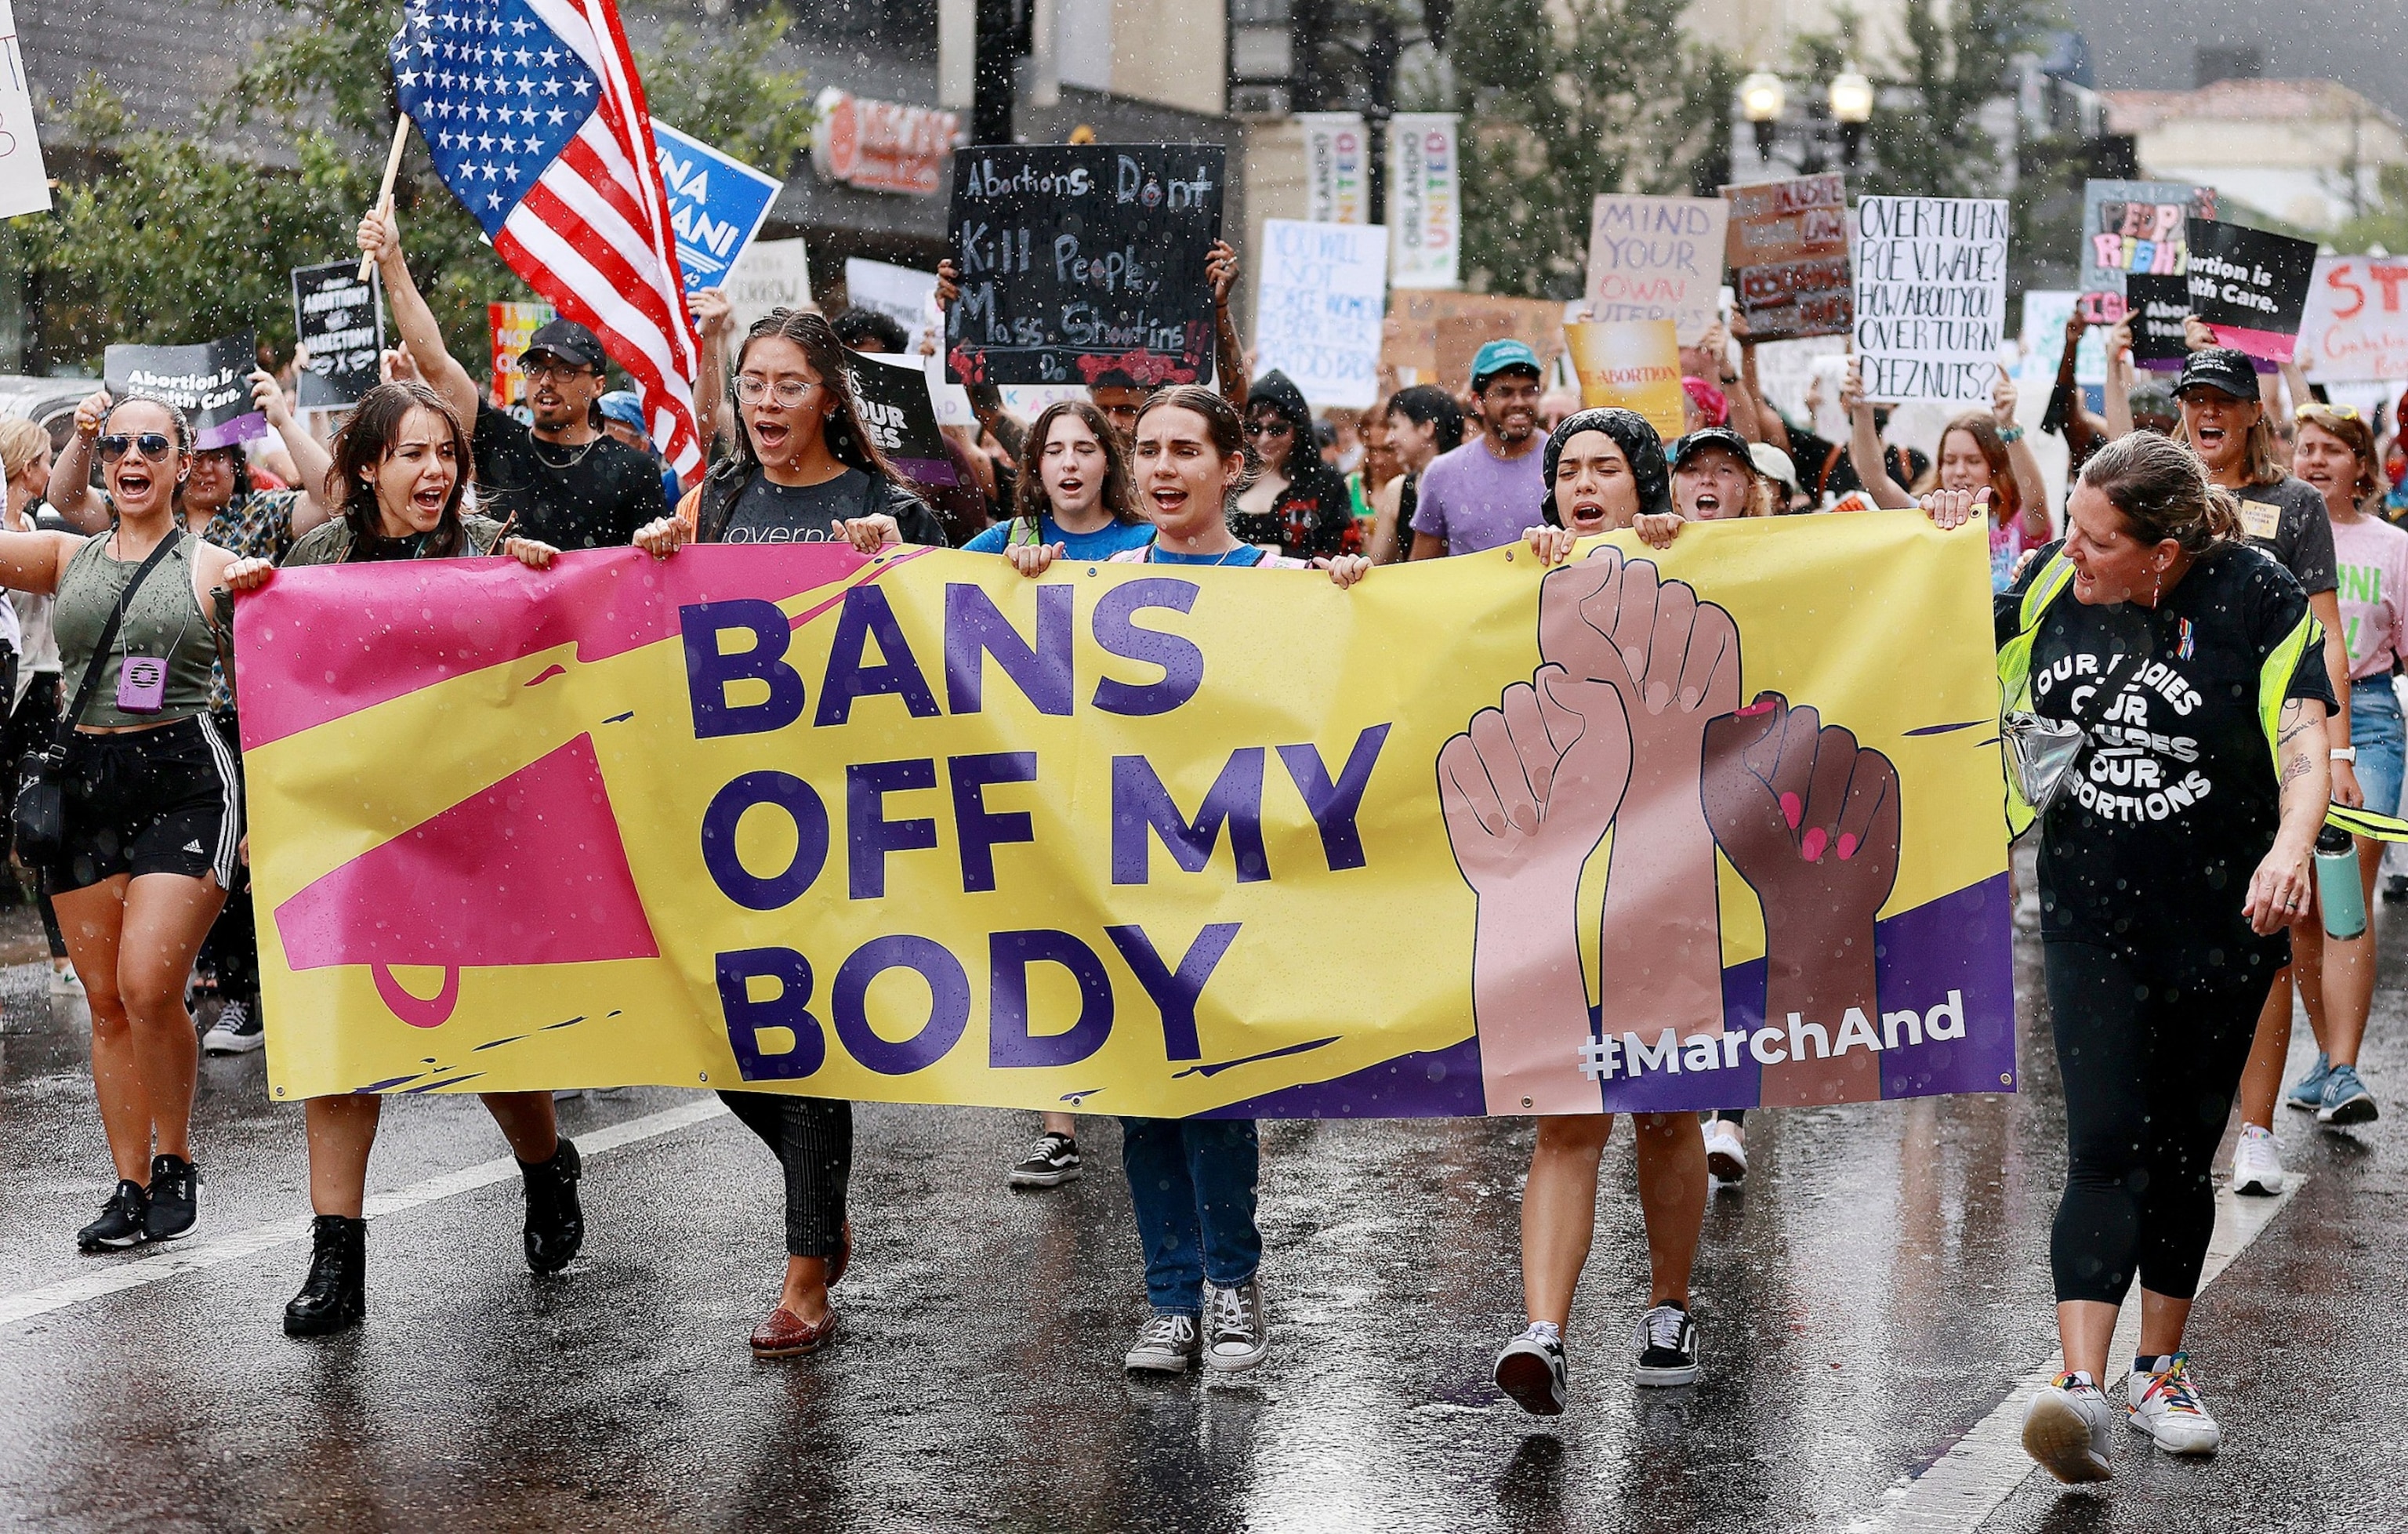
775 513
2288 520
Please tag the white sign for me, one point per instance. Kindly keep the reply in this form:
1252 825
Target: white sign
771 274
1930 297
1658 258
1319 298
909 297
1336 167
2356 325
2046 311
24 182
1424 205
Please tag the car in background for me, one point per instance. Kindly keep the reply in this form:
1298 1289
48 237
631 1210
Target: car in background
48 403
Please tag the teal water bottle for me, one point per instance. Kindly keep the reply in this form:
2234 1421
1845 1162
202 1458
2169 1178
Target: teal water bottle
2337 887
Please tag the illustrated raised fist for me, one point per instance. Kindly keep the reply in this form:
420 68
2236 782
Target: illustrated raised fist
1808 817
1673 659
1531 785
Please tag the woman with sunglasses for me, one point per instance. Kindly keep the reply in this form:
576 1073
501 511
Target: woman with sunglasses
1296 504
152 810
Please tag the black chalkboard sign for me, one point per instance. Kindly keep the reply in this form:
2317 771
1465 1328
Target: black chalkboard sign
1083 263
2156 306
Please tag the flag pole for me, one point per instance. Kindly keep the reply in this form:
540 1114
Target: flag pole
392 172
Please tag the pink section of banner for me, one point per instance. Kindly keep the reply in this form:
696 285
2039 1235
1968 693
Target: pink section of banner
2266 346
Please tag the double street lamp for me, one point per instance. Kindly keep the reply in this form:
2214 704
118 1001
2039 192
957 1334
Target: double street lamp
1763 96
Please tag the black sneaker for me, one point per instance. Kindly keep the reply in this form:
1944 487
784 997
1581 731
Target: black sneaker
555 1224
1053 1161
119 1224
237 1031
1531 1370
175 1198
1668 1347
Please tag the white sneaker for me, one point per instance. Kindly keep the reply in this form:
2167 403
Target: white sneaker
1235 1335
2165 1405
235 1031
2256 1165
2067 1430
1726 1151
67 983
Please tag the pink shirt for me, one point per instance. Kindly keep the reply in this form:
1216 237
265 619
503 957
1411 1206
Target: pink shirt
2370 559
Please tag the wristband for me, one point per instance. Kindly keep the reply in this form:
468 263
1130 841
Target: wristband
2345 753
2011 435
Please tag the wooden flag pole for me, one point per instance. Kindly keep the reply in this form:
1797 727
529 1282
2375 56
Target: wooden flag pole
391 173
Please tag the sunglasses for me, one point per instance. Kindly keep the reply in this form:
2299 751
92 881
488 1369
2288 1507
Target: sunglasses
151 445
2344 412
1267 428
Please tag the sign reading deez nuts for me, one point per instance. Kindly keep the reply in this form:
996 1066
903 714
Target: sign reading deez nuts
1084 263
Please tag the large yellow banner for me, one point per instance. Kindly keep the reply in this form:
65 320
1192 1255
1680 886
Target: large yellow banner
1713 826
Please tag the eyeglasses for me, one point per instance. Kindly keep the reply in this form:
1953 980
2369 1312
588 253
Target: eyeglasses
1267 428
562 370
151 445
787 391
2344 412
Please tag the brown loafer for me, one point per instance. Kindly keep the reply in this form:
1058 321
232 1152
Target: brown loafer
843 1258
785 1335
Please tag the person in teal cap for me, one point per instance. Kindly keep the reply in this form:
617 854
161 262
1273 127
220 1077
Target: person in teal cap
1482 493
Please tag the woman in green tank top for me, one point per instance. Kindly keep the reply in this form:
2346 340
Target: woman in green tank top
152 811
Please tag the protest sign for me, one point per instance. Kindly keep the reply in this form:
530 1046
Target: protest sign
512 326
1431 336
341 322
1658 258
1336 167
1786 372
2251 287
2043 339
893 395
24 180
1930 297
920 829
2355 329
1083 263
906 297
2156 306
1788 254
771 274
717 204
1318 300
1635 364
1424 205
211 383
2134 226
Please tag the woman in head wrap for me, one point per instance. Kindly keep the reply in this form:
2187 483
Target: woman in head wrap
1605 471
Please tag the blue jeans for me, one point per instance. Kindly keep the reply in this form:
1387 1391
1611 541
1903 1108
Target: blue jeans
1191 1182
2374 729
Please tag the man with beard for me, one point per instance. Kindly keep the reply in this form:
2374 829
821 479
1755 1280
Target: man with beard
1486 492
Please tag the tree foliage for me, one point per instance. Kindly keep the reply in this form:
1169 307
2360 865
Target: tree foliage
2385 225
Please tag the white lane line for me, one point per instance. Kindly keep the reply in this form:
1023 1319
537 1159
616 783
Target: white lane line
193 1257
1980 1471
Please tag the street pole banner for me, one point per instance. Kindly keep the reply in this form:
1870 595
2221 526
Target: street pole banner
1658 258
1647 832
2356 330
2250 286
1424 204
1319 304
1083 263
2156 306
24 180
1336 167
1634 364
340 321
2134 227
893 396
1930 297
1788 254
209 382
717 204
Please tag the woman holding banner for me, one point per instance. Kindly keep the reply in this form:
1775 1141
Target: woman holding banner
2185 670
403 463
1978 450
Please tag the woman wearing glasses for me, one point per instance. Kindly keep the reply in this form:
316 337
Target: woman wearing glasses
153 812
805 471
1297 504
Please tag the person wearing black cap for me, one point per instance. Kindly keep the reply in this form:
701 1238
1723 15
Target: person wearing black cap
561 479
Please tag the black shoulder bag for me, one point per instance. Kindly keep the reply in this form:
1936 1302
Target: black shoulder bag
41 819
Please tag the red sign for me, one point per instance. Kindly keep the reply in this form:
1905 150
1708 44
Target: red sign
882 145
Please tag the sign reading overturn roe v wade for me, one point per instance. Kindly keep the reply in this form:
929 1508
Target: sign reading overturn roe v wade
922 830
1932 298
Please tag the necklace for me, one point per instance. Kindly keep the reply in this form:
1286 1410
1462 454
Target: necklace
570 461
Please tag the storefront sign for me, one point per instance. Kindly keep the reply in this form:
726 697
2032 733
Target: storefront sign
882 145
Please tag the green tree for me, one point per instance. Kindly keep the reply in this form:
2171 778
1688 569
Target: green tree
2384 224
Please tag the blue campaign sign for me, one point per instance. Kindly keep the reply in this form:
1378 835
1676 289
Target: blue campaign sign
716 205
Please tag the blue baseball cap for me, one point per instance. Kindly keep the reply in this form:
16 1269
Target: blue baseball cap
1503 357
622 406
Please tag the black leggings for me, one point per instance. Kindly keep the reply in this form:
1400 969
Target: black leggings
2150 1072
812 1140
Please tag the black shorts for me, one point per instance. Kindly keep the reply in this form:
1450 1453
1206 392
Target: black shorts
166 800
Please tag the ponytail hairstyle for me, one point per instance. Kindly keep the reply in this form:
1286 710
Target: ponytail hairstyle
367 440
2353 431
2161 488
2006 496
847 438
1222 426
1028 502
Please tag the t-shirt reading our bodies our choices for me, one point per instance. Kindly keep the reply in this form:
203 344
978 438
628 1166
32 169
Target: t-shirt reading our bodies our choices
2288 520
2372 563
1475 501
2173 802
1104 542
591 496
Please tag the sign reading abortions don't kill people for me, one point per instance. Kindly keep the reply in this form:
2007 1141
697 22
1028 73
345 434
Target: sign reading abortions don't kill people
1083 263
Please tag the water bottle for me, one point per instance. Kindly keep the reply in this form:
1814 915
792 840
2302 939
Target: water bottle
2337 887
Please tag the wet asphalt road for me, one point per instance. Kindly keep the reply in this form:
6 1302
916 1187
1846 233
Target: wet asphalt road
1874 1293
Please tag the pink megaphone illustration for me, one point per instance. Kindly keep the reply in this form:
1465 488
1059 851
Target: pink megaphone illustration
530 870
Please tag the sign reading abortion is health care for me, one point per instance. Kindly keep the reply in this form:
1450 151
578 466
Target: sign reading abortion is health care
210 383
2250 286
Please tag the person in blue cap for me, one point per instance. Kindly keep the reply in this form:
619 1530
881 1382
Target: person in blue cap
622 417
1481 495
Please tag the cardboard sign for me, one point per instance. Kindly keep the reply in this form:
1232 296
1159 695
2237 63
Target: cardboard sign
341 322
513 325
1336 167
716 205
1083 263
1634 364
771 274
1658 258
211 383
2355 329
2134 226
24 181
1424 205
2251 287
1318 300
2156 306
1432 336
893 395
1787 248
906 297
1930 297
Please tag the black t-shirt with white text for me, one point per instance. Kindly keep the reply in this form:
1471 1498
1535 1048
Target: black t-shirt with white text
591 496
2174 802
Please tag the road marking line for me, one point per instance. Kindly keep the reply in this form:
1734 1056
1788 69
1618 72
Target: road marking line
193 1257
1958 1492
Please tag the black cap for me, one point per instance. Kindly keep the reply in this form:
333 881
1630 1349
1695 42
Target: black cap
1713 436
2221 369
567 340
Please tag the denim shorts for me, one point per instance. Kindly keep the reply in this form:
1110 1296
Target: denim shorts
2374 729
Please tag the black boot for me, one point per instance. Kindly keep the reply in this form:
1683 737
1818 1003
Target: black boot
335 1296
555 1225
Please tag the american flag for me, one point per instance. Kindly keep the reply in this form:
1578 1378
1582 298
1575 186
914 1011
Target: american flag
537 122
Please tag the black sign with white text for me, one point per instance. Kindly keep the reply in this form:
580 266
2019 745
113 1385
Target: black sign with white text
2251 286
210 383
893 395
341 329
2157 307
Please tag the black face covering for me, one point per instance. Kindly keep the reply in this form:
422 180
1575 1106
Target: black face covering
1639 443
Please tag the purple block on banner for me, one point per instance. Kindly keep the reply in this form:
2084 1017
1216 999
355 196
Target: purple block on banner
1426 1084
926 471
242 428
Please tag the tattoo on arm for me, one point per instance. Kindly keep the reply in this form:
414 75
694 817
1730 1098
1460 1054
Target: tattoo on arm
2293 769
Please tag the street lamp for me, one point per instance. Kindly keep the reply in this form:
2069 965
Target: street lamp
1852 106
1761 98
